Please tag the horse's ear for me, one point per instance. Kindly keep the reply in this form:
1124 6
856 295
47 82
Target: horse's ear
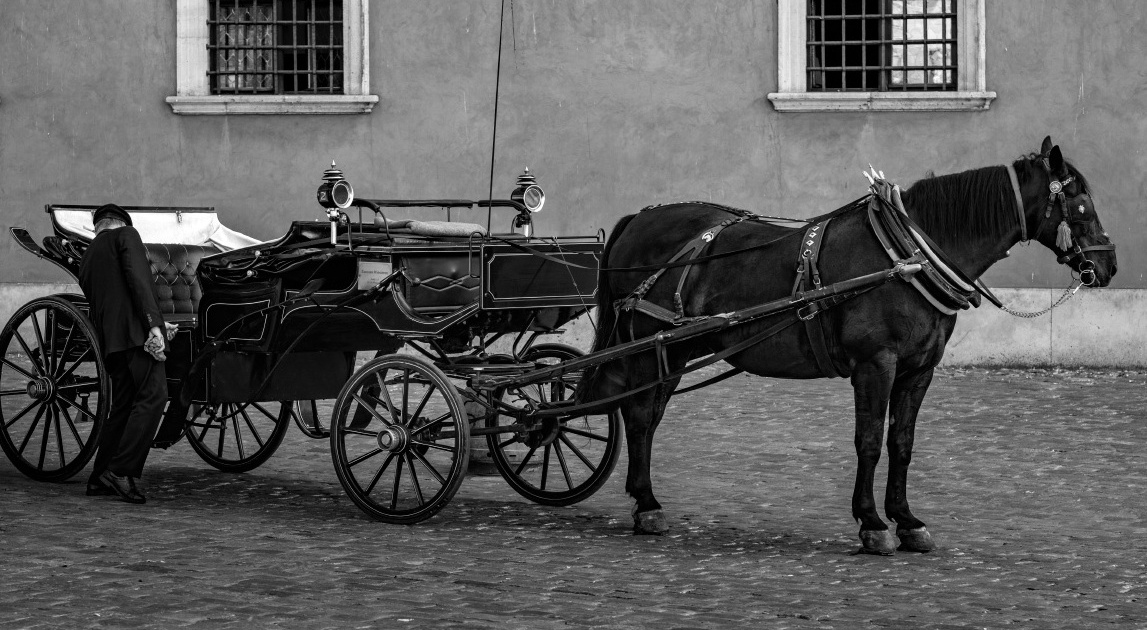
1055 160
1046 146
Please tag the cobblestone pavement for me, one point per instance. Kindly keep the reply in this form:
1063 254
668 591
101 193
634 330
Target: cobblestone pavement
1032 481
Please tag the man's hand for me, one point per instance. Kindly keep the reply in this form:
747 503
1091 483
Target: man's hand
154 344
171 329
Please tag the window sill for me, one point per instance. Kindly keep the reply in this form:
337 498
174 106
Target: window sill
280 104
881 101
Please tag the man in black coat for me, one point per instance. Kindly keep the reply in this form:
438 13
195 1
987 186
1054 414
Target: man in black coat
115 276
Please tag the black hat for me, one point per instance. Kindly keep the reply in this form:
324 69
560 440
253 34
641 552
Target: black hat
111 211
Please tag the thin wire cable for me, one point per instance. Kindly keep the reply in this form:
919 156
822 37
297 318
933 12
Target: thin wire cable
494 138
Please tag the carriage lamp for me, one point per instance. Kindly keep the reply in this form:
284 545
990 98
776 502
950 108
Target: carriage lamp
335 193
531 196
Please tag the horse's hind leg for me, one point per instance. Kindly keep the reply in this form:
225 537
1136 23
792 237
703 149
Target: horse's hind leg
907 394
642 413
872 384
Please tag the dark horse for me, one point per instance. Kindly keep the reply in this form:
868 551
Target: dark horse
887 340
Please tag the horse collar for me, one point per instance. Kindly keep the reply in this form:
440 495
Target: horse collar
1019 203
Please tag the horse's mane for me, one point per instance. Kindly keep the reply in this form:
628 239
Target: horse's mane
963 207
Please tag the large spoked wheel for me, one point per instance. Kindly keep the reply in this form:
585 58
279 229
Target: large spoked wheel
55 392
237 437
561 460
400 439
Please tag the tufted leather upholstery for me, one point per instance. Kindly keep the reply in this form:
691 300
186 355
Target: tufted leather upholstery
173 268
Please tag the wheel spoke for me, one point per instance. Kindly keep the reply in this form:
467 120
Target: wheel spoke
378 473
386 400
238 435
429 467
373 411
433 423
59 435
525 460
414 479
545 466
28 352
76 364
31 430
222 432
21 414
91 416
19 369
362 458
67 348
585 434
433 445
406 398
72 426
397 482
251 425
52 356
576 451
47 435
422 403
40 341
562 463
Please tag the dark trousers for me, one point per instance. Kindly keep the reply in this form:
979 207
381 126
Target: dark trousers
139 392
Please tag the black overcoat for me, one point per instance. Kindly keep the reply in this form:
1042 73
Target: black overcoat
115 276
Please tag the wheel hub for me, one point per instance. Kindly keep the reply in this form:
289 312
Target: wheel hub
394 439
544 433
41 388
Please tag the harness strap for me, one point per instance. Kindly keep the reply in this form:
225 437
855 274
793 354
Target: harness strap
1019 203
808 278
688 254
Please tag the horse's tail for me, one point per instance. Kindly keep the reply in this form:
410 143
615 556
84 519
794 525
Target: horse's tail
603 381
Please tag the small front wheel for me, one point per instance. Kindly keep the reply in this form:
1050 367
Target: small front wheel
237 437
400 439
560 461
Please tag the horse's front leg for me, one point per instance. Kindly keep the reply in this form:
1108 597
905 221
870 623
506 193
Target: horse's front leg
907 394
642 413
872 384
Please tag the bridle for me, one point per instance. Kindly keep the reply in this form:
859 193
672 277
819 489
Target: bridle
1072 252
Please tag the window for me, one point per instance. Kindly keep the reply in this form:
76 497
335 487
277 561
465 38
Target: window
839 55
272 56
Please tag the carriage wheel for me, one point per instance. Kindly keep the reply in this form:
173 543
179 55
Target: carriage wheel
566 459
400 439
55 393
237 437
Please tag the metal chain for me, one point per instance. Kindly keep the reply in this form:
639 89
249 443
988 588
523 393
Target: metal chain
1067 295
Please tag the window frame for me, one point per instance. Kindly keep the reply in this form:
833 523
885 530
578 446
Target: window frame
971 92
193 90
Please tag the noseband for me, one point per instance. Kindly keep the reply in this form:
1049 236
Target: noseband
1063 240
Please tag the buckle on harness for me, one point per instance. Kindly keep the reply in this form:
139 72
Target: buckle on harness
808 311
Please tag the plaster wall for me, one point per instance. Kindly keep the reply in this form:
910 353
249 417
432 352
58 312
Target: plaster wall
614 105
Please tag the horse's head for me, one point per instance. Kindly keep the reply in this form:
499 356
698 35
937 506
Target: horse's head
1067 222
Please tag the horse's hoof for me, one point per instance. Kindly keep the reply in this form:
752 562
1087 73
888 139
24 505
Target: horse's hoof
878 542
915 540
652 522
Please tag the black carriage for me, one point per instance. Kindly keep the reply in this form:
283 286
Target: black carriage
269 330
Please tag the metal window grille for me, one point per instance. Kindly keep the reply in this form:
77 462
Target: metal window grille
881 45
275 46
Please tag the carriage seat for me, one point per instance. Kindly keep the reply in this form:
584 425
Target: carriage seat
431 228
174 270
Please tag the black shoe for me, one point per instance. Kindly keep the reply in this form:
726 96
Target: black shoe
124 487
97 488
